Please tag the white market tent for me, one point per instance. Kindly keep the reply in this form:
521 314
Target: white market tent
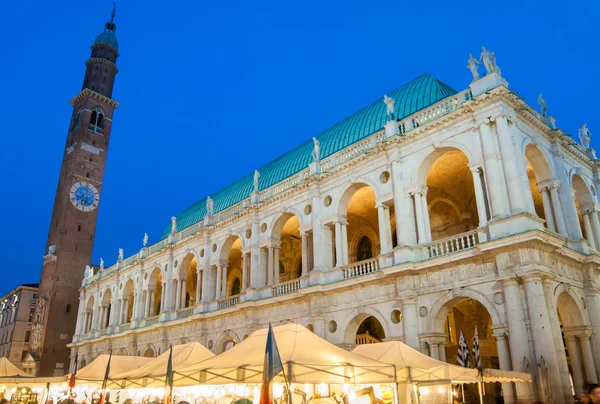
306 358
7 369
414 367
95 371
10 375
153 373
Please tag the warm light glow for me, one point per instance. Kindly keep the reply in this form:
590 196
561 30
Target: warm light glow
352 396
323 390
441 390
277 390
345 388
455 393
307 388
424 391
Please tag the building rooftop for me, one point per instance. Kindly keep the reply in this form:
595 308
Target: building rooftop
413 96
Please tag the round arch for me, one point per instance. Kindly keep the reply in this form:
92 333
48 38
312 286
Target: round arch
422 170
441 308
355 318
355 237
150 351
583 193
439 199
227 335
539 162
232 275
347 194
569 306
226 245
122 351
279 222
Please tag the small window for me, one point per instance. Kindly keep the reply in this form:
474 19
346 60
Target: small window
78 227
68 308
27 336
75 247
87 175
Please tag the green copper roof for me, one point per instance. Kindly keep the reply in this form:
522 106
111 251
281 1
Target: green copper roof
108 35
420 93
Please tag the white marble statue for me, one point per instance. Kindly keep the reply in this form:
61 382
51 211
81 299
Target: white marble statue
316 154
488 61
88 273
389 101
496 67
52 249
473 65
121 254
101 264
145 240
173 225
256 177
585 136
210 206
543 104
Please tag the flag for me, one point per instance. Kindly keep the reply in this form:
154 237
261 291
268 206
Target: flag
476 353
462 359
105 381
74 372
169 378
271 368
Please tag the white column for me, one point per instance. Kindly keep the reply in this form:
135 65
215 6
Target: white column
479 196
120 309
493 173
177 294
410 322
321 238
163 305
206 275
508 390
85 322
270 265
592 298
589 235
198 286
557 206
518 335
339 250
422 216
588 358
326 249
442 352
224 281
150 303
183 293
595 226
126 312
304 236
576 368
403 205
256 279
385 228
547 208
104 317
218 288
276 263
345 255
244 271
168 302
434 350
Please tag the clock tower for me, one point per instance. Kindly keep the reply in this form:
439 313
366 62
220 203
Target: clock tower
73 225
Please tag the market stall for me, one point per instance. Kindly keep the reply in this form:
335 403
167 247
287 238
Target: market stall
93 374
20 387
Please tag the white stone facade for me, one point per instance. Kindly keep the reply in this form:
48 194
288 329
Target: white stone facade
518 251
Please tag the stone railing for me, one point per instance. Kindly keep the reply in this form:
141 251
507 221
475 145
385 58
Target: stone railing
232 210
151 320
286 287
439 109
452 244
361 268
366 339
102 332
227 302
157 247
130 260
284 185
124 327
183 313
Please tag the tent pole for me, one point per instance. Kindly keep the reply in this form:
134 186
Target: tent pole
462 387
480 392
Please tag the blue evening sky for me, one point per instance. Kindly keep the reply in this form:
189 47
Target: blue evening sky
209 91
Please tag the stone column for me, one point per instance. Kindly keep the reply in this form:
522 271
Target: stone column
326 249
479 196
304 236
442 352
177 294
493 173
403 205
104 317
218 288
126 312
345 255
80 316
511 167
163 303
576 368
589 235
588 357
244 271
150 310
339 250
182 299
85 323
321 243
518 336
198 285
547 208
592 298
434 350
508 390
595 226
270 265
224 281
263 264
410 322
422 215
276 263
385 228
206 276
541 331
557 207
255 275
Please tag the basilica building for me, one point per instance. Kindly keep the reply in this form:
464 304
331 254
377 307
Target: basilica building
427 213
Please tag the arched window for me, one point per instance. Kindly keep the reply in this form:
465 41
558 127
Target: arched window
75 122
236 287
365 250
97 120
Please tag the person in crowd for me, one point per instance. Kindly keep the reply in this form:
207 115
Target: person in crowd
593 392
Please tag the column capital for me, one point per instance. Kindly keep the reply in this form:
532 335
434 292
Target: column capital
475 168
500 331
578 331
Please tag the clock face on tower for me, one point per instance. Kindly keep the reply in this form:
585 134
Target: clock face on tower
84 196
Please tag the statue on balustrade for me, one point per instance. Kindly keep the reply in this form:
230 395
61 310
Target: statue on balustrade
256 176
389 101
121 255
210 206
316 154
585 136
173 225
145 240
473 65
101 264
489 61
88 273
543 104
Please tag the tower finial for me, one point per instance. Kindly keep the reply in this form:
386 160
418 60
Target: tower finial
112 14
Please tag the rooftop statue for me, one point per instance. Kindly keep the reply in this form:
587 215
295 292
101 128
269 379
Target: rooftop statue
316 154
473 65
173 225
52 249
543 104
121 254
489 61
585 136
496 67
256 176
88 273
145 240
101 264
389 101
210 206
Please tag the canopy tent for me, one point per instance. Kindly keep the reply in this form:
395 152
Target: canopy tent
153 373
306 358
94 372
10 375
7 369
413 366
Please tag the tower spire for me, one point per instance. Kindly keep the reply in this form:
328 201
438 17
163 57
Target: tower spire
112 14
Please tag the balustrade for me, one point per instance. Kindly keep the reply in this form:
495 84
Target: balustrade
183 313
361 268
452 244
366 339
286 287
228 301
151 320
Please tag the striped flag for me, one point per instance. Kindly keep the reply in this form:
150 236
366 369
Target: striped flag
272 367
476 353
74 372
169 378
105 381
462 359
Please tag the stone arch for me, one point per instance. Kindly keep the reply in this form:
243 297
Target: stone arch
355 318
232 275
155 286
348 193
583 192
356 235
107 300
227 335
128 300
570 307
188 271
122 351
422 170
226 245
83 362
279 222
539 162
150 351
440 309
286 236
585 206
439 199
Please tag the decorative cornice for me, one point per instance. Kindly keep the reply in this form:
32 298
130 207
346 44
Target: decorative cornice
86 92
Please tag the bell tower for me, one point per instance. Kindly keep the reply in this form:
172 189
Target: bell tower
73 224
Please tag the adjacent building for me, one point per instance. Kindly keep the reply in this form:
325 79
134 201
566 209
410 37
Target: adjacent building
16 319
